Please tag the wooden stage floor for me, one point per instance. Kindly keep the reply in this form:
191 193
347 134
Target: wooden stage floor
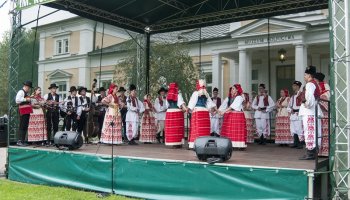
270 155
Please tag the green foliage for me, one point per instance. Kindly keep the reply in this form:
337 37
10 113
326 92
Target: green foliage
11 190
4 66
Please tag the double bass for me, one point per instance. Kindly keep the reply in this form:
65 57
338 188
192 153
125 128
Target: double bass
92 128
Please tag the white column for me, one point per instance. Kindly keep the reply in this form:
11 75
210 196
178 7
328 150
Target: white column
242 68
217 71
42 47
248 87
41 77
233 71
300 62
86 43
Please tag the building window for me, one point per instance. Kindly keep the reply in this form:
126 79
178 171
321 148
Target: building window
255 74
106 83
62 46
209 81
62 89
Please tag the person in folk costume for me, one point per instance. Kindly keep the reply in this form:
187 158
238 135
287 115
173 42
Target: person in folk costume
263 105
324 94
52 112
112 123
247 108
296 123
37 127
123 109
101 110
83 111
234 126
70 108
310 96
135 108
161 106
25 109
282 127
148 122
215 118
174 118
200 104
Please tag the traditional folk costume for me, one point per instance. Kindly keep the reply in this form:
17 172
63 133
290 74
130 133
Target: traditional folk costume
249 118
135 108
174 117
160 106
234 125
37 127
282 128
200 103
215 119
112 123
70 108
101 110
123 109
148 123
25 109
325 94
52 113
263 105
307 111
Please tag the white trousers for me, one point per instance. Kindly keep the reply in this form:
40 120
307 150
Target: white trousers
215 123
309 123
262 127
132 129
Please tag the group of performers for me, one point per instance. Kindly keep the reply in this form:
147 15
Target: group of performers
162 121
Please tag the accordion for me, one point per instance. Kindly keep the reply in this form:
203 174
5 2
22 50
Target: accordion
25 109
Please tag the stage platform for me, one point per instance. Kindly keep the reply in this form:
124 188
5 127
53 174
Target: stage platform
154 171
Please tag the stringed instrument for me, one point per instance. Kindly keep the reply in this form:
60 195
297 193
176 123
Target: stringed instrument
92 128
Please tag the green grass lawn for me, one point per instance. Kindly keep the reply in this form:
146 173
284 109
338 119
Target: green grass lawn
10 190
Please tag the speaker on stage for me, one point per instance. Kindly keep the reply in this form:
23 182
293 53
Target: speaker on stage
213 149
70 139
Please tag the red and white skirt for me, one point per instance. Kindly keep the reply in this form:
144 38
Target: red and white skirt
37 126
200 125
235 128
112 135
250 126
174 127
282 130
148 128
325 132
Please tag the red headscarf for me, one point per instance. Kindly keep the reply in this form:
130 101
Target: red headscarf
110 91
286 92
198 86
239 89
322 87
173 92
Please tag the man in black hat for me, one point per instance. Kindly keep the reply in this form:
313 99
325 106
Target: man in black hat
307 111
161 106
25 108
70 108
296 123
123 109
52 115
102 110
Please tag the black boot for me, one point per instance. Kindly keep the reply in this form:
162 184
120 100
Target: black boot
296 141
310 155
299 144
261 139
158 137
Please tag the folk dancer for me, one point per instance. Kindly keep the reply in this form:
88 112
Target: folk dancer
282 127
325 94
296 123
174 126
234 125
307 111
25 109
200 104
215 118
161 106
101 110
148 122
263 105
112 123
37 128
52 112
70 108
123 109
135 108
249 118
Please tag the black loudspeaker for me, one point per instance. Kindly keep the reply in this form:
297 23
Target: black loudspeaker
214 148
70 139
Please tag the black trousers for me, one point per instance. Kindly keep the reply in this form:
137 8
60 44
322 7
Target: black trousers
123 112
101 119
52 120
82 123
23 126
71 122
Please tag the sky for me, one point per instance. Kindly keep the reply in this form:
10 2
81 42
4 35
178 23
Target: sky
29 15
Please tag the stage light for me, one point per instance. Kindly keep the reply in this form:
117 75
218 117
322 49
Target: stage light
282 55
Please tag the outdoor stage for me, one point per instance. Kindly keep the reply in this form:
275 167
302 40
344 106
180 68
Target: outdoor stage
153 171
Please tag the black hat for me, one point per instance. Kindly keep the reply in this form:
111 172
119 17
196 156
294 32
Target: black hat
262 85
310 70
28 83
53 85
162 89
298 83
121 89
215 90
101 89
72 89
132 87
81 89
319 76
